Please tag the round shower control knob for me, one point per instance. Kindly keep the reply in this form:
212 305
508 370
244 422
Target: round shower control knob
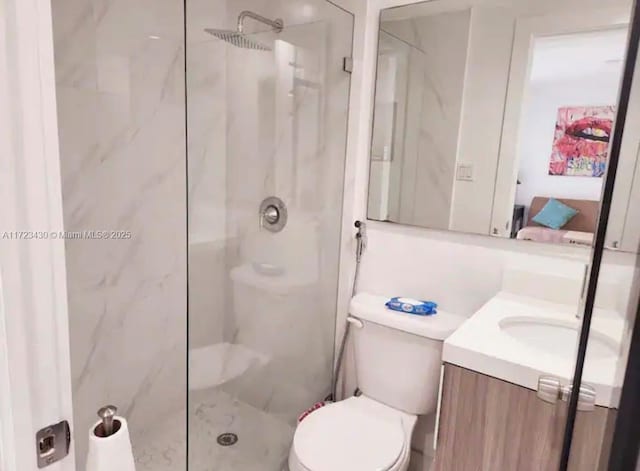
271 214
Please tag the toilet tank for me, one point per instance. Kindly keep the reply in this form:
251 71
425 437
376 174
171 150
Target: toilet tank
398 355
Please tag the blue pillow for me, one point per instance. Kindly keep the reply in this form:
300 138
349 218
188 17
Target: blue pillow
554 214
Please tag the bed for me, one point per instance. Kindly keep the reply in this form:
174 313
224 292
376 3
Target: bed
579 230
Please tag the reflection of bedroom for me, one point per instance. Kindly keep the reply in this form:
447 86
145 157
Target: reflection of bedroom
581 71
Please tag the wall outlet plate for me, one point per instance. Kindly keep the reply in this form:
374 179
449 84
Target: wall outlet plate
464 172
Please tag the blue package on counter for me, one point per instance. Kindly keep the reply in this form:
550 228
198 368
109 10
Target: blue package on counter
412 306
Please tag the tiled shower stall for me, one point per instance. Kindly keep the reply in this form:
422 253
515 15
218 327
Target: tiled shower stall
135 82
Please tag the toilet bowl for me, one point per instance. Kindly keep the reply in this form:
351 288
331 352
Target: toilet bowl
398 360
357 434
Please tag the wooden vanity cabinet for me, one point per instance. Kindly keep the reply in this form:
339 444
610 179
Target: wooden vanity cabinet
487 424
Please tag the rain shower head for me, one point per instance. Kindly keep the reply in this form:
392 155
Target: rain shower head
239 39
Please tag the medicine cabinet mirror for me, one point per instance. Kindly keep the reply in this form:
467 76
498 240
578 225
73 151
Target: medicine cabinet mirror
494 117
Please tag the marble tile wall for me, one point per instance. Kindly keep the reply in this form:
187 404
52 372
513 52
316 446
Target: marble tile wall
207 166
297 110
269 123
435 86
121 111
207 120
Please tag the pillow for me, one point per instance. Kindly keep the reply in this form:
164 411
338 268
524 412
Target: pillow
554 214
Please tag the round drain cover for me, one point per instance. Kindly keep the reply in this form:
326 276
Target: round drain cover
227 439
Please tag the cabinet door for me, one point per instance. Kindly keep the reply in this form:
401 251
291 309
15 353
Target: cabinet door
487 424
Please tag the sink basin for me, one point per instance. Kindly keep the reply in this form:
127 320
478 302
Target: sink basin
518 339
557 337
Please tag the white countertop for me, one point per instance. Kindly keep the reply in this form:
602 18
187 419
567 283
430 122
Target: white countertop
481 345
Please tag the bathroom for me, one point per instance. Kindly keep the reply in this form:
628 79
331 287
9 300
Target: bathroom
179 198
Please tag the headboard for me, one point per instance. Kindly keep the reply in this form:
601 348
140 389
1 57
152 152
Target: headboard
585 221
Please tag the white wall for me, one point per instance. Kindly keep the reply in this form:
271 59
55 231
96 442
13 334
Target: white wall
461 272
35 370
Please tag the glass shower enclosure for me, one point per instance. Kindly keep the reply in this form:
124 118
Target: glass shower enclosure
267 114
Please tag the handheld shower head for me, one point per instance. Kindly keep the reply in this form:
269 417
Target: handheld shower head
239 39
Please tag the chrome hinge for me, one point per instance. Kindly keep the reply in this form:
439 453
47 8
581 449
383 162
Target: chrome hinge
585 277
53 443
550 389
347 64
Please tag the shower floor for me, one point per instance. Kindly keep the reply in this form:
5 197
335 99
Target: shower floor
162 449
263 440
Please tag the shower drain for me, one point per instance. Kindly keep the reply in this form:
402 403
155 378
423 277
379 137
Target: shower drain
227 439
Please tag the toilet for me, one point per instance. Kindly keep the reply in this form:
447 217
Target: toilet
398 360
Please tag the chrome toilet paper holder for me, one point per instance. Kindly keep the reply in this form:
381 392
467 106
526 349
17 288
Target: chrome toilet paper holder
109 425
109 443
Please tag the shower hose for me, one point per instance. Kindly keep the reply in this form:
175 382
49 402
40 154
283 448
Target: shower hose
360 246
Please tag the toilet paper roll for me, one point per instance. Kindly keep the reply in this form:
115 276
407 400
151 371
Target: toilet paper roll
113 452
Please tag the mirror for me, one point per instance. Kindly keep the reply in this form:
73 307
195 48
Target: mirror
494 116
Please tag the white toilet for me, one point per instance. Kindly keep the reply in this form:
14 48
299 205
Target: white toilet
398 358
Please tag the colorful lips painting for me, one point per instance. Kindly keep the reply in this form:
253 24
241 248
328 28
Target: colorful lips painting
581 141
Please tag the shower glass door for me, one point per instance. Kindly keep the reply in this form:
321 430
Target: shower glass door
604 353
267 118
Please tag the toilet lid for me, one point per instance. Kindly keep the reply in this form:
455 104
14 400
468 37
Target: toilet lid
341 437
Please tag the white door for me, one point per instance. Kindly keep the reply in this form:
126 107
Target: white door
35 380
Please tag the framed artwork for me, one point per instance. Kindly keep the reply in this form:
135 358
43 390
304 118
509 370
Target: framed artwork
581 141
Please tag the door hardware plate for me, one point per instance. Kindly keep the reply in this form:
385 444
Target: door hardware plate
53 443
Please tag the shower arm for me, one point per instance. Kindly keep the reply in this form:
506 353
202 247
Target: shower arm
277 25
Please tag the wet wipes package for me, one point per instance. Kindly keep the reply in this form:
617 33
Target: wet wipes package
412 306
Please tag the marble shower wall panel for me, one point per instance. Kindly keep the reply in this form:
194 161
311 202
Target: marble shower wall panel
330 168
286 135
207 297
207 166
304 120
265 123
207 112
121 112
435 88
250 134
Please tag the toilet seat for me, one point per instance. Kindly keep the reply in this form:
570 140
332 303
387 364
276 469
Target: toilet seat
356 434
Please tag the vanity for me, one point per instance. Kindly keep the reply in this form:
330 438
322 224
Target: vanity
506 376
489 424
